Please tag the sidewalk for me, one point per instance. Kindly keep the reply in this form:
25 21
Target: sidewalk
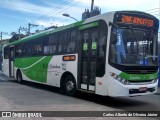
4 77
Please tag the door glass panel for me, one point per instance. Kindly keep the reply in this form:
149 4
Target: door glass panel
93 56
84 74
89 57
85 58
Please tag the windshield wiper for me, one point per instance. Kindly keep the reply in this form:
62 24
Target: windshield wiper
133 34
131 29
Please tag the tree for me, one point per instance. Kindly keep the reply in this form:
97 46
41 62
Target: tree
15 37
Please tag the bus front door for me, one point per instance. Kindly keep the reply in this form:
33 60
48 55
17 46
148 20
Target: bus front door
88 62
11 59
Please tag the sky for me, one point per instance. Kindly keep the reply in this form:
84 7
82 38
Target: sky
44 13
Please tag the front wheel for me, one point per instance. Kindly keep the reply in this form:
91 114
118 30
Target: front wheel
19 77
69 85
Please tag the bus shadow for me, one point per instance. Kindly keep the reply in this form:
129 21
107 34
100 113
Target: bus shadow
123 103
39 86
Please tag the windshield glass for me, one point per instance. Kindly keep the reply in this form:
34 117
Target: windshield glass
133 47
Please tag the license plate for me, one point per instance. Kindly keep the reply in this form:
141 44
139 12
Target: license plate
142 89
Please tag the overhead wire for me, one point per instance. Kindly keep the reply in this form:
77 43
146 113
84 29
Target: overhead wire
61 7
45 16
57 12
49 12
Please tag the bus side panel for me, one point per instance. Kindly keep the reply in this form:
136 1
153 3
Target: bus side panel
33 68
54 71
57 67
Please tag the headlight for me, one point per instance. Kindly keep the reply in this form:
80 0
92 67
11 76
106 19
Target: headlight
118 78
154 80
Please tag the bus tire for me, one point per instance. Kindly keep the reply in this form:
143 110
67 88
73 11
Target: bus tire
19 77
69 86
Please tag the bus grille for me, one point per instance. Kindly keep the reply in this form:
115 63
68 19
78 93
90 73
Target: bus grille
140 82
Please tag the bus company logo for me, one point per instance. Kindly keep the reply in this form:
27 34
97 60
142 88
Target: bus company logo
54 66
6 114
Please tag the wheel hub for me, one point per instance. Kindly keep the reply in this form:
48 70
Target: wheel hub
69 86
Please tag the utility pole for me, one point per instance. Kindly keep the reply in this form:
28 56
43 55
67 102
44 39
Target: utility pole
3 33
19 31
30 26
92 5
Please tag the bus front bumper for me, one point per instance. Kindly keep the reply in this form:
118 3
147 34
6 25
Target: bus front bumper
116 89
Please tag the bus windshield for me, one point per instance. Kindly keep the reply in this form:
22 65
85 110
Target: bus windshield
133 47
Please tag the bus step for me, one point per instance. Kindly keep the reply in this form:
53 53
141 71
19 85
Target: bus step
86 91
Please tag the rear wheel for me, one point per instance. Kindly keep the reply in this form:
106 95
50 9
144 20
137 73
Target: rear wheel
69 85
19 77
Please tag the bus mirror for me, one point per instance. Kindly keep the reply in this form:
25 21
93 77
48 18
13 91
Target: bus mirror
113 24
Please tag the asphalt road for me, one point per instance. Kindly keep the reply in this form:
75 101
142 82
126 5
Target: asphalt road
36 97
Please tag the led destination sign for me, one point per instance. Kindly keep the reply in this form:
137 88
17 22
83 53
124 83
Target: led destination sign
137 20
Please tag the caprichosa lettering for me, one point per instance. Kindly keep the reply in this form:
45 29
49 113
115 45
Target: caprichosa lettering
53 66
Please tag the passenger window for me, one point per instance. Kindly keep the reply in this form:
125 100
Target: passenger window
19 50
62 42
52 44
46 45
71 42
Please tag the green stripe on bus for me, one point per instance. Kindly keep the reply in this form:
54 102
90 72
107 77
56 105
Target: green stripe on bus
38 71
139 77
90 25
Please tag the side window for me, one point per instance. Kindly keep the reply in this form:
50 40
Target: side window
18 51
39 47
52 44
62 42
6 53
23 49
33 48
71 41
28 47
46 45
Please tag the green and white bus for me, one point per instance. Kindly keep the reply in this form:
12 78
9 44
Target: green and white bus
113 54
